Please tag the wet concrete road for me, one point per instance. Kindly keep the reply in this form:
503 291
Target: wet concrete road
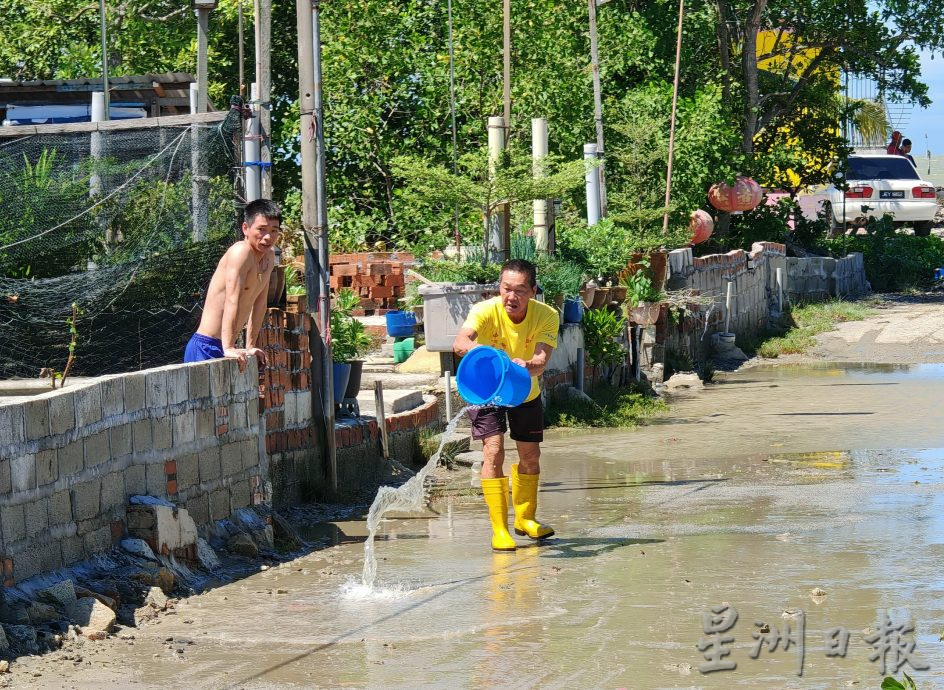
755 492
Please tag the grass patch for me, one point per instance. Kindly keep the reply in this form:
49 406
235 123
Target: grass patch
798 327
618 408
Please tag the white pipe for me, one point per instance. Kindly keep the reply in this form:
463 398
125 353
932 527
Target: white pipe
496 144
729 298
538 153
779 289
593 185
95 146
251 149
203 24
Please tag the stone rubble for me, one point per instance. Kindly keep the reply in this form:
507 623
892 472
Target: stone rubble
133 584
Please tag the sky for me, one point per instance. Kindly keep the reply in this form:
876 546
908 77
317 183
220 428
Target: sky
929 120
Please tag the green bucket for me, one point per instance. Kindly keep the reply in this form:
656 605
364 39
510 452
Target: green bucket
402 349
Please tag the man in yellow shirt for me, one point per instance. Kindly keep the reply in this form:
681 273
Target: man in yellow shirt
527 331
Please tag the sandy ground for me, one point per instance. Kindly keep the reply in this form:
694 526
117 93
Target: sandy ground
905 329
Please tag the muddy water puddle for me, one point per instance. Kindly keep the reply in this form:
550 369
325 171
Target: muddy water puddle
794 495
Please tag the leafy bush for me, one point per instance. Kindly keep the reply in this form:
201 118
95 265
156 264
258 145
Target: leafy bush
639 286
893 262
612 408
559 277
465 271
601 328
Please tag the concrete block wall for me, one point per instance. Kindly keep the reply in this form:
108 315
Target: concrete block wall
759 288
564 356
849 275
747 273
71 458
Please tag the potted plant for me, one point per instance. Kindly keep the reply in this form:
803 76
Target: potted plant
296 301
349 341
601 330
643 296
560 279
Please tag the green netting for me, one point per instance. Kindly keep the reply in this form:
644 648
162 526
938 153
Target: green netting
129 225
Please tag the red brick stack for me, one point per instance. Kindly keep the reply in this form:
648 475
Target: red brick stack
376 277
284 337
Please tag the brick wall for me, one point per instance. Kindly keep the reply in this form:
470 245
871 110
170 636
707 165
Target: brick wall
376 277
296 465
71 458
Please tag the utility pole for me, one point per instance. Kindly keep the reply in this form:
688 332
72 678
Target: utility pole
315 222
263 29
675 88
201 183
597 100
506 79
452 114
505 213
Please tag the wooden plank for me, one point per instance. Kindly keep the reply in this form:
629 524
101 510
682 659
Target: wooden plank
113 125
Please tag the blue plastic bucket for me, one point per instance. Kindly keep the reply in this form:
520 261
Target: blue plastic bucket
400 323
573 310
487 376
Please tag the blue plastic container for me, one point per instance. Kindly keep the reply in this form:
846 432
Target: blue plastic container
487 376
342 372
573 310
400 323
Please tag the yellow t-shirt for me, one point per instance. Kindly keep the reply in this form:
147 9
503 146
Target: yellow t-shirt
493 327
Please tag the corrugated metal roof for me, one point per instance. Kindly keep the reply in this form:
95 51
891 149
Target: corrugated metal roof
145 79
162 94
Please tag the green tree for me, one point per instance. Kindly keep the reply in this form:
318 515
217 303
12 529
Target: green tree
60 39
479 189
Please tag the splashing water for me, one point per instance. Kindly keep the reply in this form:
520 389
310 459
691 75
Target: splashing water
408 497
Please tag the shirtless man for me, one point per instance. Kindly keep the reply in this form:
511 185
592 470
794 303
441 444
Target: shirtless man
237 293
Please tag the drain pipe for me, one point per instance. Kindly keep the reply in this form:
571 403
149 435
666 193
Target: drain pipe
580 367
729 298
592 179
780 289
448 396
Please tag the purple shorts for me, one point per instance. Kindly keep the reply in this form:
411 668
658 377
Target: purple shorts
526 420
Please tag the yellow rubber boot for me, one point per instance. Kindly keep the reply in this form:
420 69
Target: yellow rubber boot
524 496
495 492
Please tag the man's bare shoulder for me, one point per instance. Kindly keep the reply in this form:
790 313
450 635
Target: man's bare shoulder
239 254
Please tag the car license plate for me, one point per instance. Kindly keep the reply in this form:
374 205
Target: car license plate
889 194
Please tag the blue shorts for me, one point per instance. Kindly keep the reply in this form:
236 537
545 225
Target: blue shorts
202 347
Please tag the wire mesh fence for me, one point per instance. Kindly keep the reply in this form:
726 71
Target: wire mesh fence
128 224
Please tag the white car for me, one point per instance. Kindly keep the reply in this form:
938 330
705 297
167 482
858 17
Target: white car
882 184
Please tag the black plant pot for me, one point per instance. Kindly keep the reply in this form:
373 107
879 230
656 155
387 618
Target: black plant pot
354 382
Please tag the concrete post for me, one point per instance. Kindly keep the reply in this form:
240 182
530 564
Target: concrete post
496 230
251 149
538 153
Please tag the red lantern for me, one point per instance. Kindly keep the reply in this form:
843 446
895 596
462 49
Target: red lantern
743 196
701 224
